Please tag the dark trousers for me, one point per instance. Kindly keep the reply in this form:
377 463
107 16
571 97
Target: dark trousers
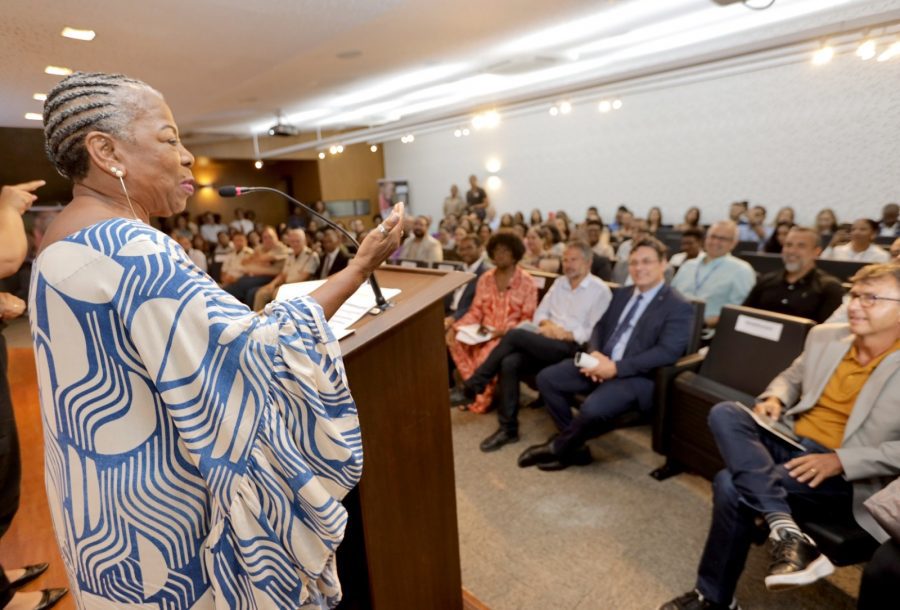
605 402
10 465
756 482
878 589
520 353
245 288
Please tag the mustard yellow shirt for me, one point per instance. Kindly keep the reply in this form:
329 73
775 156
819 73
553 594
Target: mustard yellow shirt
825 422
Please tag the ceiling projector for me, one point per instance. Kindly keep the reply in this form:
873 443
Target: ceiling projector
282 130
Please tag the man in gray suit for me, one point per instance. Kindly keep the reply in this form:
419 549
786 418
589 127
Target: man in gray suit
841 398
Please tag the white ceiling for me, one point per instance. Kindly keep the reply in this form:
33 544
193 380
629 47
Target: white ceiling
226 66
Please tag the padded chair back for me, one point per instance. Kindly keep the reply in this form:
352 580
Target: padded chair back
745 246
762 262
697 321
448 265
842 270
542 280
412 263
751 347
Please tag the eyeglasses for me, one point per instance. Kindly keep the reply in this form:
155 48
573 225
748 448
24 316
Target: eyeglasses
868 300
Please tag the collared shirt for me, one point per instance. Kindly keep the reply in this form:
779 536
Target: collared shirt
576 310
746 233
825 422
232 264
726 280
297 264
872 254
473 268
815 295
426 249
243 225
647 297
454 205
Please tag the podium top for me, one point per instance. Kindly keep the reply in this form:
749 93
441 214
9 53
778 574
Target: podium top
419 289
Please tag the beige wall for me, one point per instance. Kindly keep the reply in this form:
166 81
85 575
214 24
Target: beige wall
352 174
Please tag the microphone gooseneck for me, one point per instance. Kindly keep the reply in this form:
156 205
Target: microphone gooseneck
381 303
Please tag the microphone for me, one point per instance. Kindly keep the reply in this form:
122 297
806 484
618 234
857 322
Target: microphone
381 303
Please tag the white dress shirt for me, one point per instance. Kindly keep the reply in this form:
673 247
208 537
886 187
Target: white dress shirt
576 310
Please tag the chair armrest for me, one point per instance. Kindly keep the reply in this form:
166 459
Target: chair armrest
665 376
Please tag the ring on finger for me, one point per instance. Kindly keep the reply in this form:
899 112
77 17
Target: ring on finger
383 229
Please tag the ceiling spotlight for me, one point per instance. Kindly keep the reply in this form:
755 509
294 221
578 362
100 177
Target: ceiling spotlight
491 119
340 148
410 138
374 148
493 165
493 183
321 154
565 107
616 104
604 106
77 34
39 97
466 131
333 149
554 110
890 52
457 133
258 164
33 116
824 55
866 50
57 71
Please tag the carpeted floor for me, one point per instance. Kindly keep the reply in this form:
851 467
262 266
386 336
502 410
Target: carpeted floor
604 536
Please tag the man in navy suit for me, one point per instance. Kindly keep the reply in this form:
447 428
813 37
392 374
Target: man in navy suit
646 326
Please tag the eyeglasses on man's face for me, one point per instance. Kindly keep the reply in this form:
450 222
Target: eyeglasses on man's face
867 299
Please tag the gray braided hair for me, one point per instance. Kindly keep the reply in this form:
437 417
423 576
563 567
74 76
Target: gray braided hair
85 102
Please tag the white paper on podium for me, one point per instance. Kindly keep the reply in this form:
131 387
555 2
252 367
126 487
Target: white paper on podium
354 308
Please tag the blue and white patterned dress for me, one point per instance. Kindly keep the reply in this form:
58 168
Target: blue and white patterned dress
196 452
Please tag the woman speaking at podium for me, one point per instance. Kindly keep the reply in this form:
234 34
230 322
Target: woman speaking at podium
196 452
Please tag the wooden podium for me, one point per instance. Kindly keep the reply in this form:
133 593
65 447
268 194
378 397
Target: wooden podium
401 549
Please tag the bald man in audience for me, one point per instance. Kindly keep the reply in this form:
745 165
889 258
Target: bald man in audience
716 277
840 400
421 246
800 289
889 225
299 266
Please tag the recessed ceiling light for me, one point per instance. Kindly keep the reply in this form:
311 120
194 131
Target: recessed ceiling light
33 116
77 34
40 97
321 155
374 148
258 164
57 71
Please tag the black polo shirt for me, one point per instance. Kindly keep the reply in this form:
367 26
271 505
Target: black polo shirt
815 295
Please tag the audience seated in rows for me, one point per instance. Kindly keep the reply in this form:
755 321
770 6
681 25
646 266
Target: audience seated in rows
474 260
841 398
563 321
505 296
645 327
259 268
333 258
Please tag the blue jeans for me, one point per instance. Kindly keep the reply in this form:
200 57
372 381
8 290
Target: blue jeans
755 482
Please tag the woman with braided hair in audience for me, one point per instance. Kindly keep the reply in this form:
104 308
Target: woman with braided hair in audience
196 452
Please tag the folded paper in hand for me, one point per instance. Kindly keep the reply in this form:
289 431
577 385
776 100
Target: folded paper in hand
469 334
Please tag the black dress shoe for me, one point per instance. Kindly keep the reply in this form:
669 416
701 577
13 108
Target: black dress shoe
537 454
457 397
498 439
579 457
31 572
50 597
471 391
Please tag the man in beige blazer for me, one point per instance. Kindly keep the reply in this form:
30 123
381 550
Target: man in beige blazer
841 399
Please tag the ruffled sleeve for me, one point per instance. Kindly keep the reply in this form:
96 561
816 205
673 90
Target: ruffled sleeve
263 410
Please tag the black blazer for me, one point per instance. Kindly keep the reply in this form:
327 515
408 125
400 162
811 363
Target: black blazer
340 262
659 339
468 295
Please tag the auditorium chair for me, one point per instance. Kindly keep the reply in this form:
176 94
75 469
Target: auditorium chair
446 265
738 366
